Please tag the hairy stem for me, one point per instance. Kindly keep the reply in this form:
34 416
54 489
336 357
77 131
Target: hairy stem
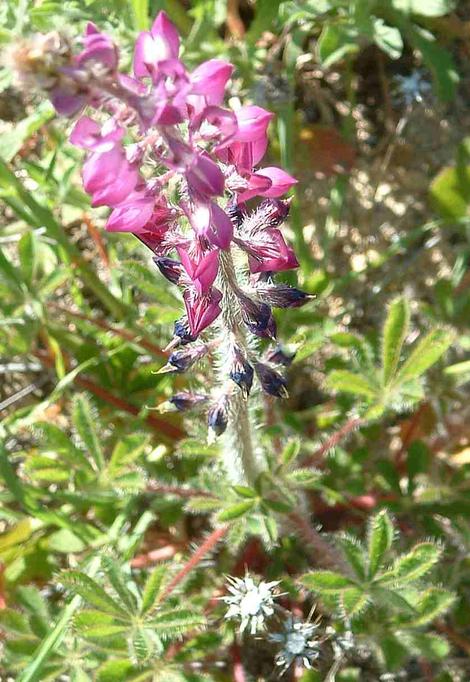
207 546
242 462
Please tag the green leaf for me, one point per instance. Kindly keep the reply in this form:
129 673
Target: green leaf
14 622
266 13
176 622
380 538
290 452
433 603
426 8
140 9
153 588
426 644
83 419
355 554
347 382
326 582
391 598
394 651
303 478
115 671
438 60
96 624
394 334
336 42
450 192
12 141
116 579
426 353
243 491
93 593
414 565
65 542
28 255
353 601
388 38
236 510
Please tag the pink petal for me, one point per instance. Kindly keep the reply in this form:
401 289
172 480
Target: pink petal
281 182
253 122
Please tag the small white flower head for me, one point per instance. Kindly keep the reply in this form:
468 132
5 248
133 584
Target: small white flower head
413 88
298 642
250 602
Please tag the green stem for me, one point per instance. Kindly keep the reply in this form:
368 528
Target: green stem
242 462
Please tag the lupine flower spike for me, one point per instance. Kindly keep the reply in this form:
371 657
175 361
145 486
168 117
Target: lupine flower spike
182 173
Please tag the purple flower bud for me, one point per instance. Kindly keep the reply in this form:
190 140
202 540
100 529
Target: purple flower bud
182 330
271 381
183 359
217 417
241 372
280 356
98 47
186 401
171 269
257 316
283 296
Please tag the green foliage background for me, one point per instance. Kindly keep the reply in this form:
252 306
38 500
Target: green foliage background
103 499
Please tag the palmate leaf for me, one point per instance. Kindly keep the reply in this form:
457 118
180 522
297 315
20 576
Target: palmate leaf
97 625
176 622
153 588
355 554
426 644
93 593
380 538
353 601
433 603
349 382
426 353
83 420
412 566
117 671
327 582
118 583
394 334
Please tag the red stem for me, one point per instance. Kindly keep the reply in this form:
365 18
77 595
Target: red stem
171 431
123 333
334 440
207 546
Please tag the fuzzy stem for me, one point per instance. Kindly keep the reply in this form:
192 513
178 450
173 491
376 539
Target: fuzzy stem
321 551
241 460
207 546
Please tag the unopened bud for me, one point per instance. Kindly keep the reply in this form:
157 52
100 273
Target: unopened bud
257 316
171 269
283 296
182 359
280 356
241 372
185 400
217 417
272 382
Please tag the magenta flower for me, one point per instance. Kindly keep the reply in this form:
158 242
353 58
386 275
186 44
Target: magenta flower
177 168
159 44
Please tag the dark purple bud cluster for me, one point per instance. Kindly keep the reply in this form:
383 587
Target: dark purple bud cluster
241 372
217 417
